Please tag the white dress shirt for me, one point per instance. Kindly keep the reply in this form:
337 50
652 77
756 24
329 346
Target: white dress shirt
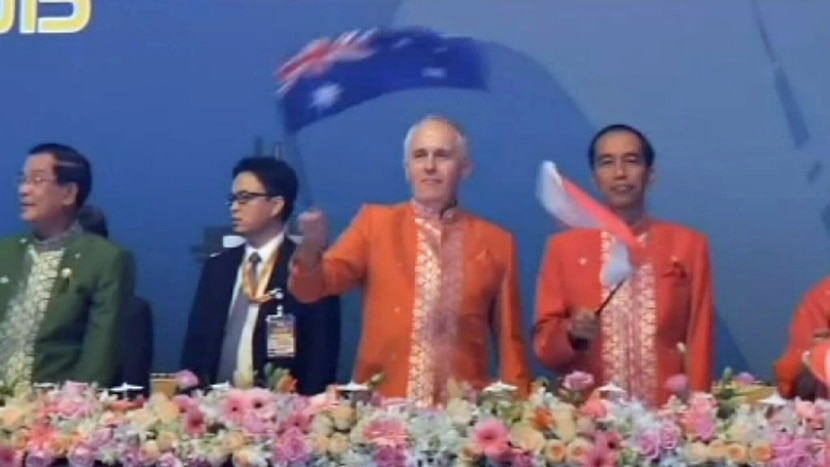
244 354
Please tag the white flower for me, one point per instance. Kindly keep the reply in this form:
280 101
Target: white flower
66 273
4 280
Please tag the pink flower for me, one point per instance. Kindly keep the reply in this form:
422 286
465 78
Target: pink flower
745 379
669 436
520 459
490 437
578 381
600 456
184 402
10 457
705 428
595 409
390 457
185 380
194 423
678 384
299 420
236 406
610 440
263 402
294 447
648 445
388 432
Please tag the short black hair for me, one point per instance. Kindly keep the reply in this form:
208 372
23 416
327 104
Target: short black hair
278 178
70 167
93 220
645 144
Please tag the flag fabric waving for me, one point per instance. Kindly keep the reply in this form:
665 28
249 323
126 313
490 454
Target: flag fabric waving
329 76
576 209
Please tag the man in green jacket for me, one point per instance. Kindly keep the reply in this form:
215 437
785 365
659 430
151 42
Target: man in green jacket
62 291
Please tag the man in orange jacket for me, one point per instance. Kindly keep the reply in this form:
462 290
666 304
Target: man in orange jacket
811 324
659 322
437 280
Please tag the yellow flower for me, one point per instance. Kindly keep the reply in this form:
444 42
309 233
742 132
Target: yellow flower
564 423
343 417
736 454
696 453
234 441
526 438
578 450
460 412
555 451
717 450
319 443
166 440
338 444
151 451
760 453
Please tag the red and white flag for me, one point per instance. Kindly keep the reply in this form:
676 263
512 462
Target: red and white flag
576 209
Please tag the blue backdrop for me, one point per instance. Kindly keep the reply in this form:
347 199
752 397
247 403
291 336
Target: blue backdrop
166 96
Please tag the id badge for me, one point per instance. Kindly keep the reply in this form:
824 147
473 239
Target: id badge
281 336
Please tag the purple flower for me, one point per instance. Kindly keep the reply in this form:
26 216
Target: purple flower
294 446
745 379
168 460
669 436
82 456
678 384
38 459
578 381
648 445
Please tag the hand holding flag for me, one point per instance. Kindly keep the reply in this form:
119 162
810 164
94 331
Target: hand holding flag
576 209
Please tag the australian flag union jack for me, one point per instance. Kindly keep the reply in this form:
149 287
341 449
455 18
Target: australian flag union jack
329 76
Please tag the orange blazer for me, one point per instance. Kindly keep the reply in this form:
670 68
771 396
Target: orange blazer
569 279
378 252
813 314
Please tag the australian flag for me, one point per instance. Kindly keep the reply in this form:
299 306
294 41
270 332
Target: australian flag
330 75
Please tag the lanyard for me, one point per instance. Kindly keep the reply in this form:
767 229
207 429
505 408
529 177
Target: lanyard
256 294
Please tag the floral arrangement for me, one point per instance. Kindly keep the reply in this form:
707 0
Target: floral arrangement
257 427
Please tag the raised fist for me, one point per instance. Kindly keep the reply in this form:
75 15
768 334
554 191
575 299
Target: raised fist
314 230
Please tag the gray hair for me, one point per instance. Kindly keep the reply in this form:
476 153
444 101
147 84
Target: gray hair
461 136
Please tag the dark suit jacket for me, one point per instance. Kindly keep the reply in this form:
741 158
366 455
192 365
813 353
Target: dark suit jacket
137 344
317 325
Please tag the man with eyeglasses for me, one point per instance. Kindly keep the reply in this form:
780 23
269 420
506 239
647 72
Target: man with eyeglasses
438 282
62 291
243 317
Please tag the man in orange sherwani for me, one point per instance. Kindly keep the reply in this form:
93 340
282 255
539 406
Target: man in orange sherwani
437 281
660 320
810 326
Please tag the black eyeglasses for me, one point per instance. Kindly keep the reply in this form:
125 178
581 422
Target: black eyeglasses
244 197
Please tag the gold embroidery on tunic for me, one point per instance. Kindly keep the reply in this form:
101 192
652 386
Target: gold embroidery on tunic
26 311
438 277
629 328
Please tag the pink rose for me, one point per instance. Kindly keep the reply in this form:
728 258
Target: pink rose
648 445
669 436
295 448
578 381
185 380
705 428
